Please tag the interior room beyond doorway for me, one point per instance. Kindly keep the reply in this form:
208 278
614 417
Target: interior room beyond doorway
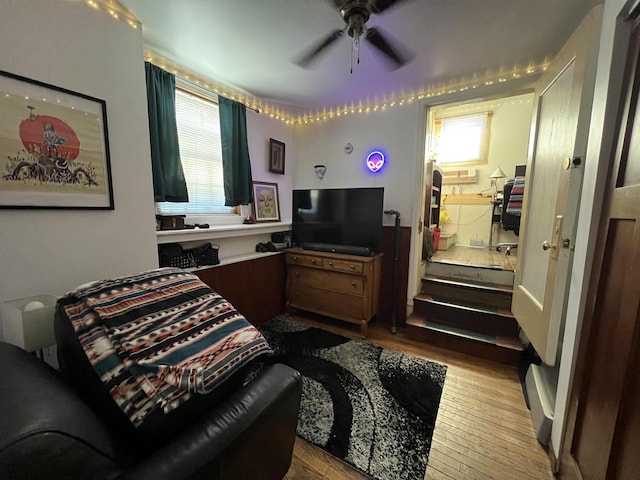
468 214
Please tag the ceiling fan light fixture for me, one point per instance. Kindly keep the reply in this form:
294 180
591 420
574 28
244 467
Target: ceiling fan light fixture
355 14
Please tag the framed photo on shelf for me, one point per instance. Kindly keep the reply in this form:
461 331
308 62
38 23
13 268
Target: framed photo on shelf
276 156
54 147
266 203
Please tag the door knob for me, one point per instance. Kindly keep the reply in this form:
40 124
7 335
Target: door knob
546 245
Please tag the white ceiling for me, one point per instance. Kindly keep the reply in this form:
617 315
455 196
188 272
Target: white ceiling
249 44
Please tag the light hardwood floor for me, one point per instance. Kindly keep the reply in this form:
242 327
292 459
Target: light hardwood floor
483 430
477 256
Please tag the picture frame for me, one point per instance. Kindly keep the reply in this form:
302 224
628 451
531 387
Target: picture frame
276 156
266 204
54 147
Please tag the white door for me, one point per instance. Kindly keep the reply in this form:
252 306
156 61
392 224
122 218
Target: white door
561 111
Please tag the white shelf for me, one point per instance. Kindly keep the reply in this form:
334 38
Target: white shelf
220 231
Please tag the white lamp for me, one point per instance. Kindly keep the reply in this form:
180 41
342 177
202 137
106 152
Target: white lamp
28 322
497 174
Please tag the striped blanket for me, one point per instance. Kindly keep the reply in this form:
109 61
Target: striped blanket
159 337
514 206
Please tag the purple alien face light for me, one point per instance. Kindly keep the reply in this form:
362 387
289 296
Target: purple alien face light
375 161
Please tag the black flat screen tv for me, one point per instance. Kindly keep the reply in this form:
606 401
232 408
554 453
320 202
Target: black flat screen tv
349 217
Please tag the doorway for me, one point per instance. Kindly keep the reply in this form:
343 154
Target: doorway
470 195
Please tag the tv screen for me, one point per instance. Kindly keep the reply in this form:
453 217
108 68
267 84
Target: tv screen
338 216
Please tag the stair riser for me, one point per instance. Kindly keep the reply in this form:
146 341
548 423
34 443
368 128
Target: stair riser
469 273
472 320
463 345
464 295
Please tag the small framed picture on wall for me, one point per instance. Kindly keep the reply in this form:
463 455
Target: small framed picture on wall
276 156
265 201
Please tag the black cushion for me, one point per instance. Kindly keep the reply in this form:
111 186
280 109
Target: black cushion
47 431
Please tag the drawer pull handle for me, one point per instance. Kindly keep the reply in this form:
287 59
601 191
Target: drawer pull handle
295 258
352 267
353 284
313 260
297 274
331 264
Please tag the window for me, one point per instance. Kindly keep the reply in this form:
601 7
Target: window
201 155
463 139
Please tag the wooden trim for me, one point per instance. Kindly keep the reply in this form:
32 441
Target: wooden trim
386 275
553 460
255 288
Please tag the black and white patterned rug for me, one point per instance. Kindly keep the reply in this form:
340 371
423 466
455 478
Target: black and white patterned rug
371 407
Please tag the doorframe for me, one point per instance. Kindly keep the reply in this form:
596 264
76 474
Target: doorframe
481 93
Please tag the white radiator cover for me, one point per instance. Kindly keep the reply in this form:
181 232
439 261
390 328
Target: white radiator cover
540 402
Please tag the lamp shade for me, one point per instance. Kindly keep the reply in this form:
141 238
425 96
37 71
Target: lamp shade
498 173
28 322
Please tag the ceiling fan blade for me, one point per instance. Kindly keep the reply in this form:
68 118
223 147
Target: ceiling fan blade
313 54
395 54
379 6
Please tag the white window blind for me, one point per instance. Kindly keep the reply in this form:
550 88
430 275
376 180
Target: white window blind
201 155
463 139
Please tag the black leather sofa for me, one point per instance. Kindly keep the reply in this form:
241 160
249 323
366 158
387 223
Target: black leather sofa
64 426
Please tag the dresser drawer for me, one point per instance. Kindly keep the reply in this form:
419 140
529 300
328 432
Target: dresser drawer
327 280
309 260
326 302
343 266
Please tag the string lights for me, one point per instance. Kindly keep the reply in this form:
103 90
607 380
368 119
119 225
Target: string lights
251 102
117 11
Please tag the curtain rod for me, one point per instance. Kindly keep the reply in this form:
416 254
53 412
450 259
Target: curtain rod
193 88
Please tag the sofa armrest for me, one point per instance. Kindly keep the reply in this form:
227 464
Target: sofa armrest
249 435
47 431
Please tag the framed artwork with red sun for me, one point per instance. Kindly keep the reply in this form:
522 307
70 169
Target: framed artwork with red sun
54 147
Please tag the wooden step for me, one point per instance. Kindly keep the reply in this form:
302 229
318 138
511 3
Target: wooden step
480 293
479 318
457 271
499 348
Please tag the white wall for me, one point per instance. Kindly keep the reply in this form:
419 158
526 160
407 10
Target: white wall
260 128
71 45
611 60
396 131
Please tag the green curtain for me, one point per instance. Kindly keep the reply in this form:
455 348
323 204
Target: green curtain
236 164
169 184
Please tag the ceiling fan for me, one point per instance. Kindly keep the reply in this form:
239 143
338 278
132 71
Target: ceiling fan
355 14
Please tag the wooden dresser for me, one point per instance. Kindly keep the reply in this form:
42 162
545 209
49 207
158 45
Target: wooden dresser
340 286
